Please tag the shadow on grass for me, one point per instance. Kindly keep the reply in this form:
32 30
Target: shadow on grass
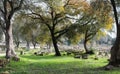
71 67
68 70
34 57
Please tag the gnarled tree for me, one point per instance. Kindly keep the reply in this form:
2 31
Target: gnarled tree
7 10
115 50
55 16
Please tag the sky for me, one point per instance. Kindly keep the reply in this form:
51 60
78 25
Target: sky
113 33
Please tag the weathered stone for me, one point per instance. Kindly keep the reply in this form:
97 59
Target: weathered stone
15 58
77 56
109 67
6 72
21 52
84 56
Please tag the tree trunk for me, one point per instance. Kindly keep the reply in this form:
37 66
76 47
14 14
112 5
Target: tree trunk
57 52
28 45
48 45
85 42
34 44
9 42
17 44
115 50
87 38
85 46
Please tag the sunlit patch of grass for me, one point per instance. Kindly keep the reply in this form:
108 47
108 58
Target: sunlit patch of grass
31 64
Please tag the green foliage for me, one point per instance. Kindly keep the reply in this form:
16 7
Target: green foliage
93 18
27 28
44 35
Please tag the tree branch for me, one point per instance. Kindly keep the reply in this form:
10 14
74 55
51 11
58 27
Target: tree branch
13 10
67 3
53 18
19 6
61 32
1 10
87 22
40 17
59 20
5 8
11 4
91 36
2 26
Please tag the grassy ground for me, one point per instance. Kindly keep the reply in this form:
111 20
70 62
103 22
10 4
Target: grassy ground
31 64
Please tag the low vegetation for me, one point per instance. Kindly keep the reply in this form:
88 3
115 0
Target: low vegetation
49 64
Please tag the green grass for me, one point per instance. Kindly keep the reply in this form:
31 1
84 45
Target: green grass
31 64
